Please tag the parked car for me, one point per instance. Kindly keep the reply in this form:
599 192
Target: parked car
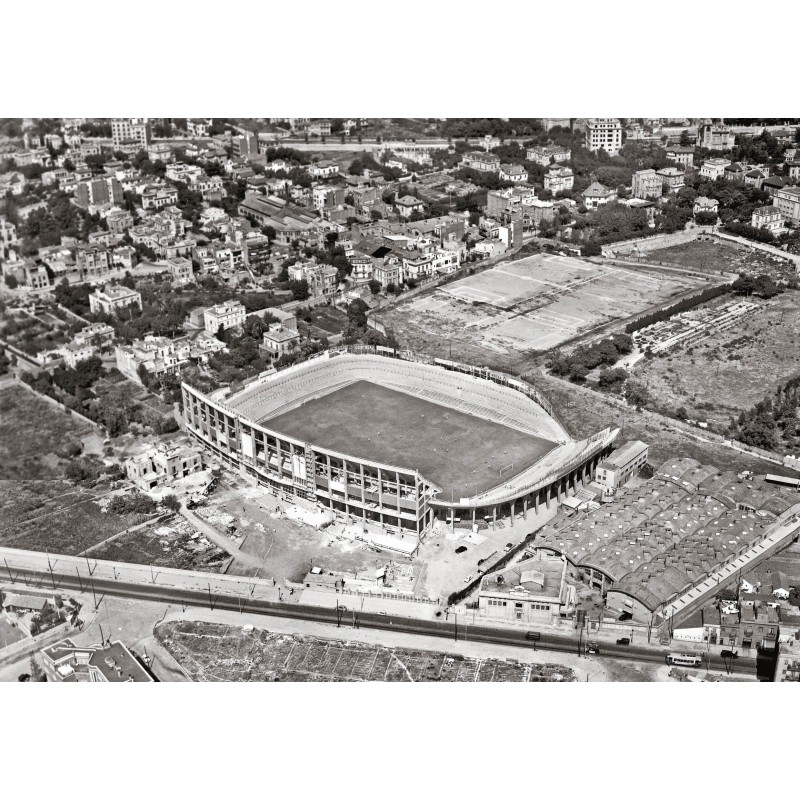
593 647
625 616
468 579
533 636
729 654
624 640
460 550
508 547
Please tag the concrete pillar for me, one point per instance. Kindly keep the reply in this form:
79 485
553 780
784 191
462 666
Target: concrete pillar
474 511
549 495
494 516
511 508
525 507
536 502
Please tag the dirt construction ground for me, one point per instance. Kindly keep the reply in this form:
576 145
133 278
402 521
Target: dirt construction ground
715 257
732 370
499 316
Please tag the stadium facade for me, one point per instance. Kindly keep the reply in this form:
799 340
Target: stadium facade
394 497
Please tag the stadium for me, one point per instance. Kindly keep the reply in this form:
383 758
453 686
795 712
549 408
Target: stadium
396 440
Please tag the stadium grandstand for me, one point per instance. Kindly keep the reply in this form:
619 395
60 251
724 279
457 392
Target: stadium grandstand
396 439
657 540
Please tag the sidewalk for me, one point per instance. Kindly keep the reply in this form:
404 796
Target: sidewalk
374 605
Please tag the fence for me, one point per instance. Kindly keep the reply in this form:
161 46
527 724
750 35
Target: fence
408 598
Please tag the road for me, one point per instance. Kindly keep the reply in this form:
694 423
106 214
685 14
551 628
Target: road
348 617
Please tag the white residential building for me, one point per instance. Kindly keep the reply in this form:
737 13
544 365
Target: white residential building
769 218
157 354
787 201
604 134
714 168
111 299
230 314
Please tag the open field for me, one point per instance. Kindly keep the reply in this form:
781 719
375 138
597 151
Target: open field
459 452
503 314
9 633
213 652
715 257
174 543
55 517
585 411
31 431
731 370
328 318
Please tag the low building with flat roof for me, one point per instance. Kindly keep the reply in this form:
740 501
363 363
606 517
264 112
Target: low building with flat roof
162 464
224 315
112 663
111 299
621 465
533 591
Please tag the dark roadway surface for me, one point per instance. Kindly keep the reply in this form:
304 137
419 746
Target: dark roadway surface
442 630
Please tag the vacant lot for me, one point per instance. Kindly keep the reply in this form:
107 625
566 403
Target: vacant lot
733 369
173 543
502 315
585 412
328 318
9 633
461 453
715 257
32 430
212 652
55 517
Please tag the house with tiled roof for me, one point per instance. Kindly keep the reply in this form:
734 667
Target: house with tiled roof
597 195
706 205
513 172
407 205
756 176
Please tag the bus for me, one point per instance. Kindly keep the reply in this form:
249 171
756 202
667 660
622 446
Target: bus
684 660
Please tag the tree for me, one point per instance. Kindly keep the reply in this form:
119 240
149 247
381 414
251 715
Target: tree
612 378
220 334
171 502
357 313
685 139
299 289
374 286
11 281
591 249
37 674
705 218
637 394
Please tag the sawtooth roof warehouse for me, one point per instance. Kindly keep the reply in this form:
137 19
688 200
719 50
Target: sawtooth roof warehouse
399 440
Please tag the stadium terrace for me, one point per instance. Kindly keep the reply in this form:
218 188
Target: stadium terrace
395 439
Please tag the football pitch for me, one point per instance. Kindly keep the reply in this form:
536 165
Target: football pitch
459 452
532 304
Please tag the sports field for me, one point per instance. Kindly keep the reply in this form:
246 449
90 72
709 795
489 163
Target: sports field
551 298
501 314
459 452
